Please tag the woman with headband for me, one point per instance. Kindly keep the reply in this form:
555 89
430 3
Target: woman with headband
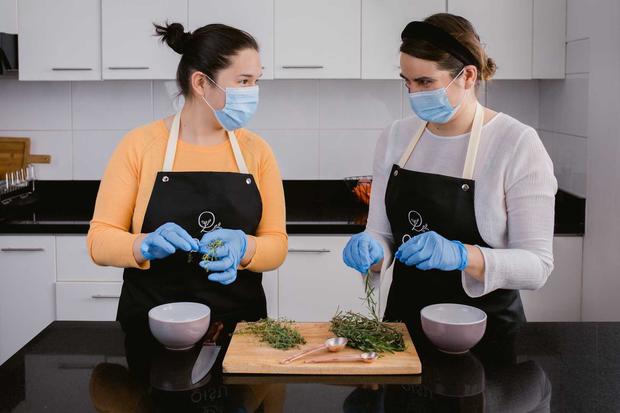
462 196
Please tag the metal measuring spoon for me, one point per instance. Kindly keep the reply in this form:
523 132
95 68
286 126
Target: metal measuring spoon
365 357
333 345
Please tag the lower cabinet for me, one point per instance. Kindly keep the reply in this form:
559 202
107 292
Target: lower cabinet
560 298
27 278
314 283
93 301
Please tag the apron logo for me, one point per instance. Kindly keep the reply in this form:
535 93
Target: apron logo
417 225
206 221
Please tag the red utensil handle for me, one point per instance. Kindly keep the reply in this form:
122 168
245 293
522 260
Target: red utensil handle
213 333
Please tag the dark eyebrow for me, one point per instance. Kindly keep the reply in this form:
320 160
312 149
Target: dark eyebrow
402 76
423 79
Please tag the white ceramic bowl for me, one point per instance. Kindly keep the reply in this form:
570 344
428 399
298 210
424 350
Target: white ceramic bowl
453 328
178 326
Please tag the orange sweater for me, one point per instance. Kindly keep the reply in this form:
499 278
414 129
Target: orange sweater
128 181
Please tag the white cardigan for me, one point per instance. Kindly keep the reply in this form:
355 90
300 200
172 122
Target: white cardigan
514 198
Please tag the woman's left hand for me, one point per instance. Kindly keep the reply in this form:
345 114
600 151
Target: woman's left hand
430 250
229 255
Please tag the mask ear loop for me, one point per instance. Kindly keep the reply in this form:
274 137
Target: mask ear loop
213 81
464 93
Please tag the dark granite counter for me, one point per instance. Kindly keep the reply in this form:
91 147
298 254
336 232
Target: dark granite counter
313 207
90 366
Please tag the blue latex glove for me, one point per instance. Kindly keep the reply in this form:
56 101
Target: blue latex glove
166 240
432 251
224 270
362 252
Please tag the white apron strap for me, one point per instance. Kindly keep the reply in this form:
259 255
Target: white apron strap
243 168
472 147
474 142
173 138
171 147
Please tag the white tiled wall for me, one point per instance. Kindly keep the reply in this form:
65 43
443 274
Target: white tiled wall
318 129
564 104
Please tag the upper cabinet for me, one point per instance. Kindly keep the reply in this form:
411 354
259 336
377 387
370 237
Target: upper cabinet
8 16
317 39
130 49
549 54
505 27
298 39
59 40
382 23
526 38
252 16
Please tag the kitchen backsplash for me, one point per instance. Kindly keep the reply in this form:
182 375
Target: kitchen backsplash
319 129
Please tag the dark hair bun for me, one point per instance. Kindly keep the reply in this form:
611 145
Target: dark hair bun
174 35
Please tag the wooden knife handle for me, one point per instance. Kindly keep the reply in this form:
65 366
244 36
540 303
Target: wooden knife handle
213 333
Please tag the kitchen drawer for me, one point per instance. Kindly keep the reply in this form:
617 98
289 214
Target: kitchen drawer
91 301
74 262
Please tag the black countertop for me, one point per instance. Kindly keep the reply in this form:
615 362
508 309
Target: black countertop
313 207
89 366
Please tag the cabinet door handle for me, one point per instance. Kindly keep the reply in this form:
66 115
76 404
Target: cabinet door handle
303 67
98 296
76 366
310 251
129 68
22 249
57 69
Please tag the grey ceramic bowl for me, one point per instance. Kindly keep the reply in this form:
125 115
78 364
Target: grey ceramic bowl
453 328
178 326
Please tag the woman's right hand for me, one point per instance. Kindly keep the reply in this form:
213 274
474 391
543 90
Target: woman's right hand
361 252
165 241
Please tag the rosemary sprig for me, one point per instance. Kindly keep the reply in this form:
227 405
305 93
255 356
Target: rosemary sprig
210 254
367 333
278 334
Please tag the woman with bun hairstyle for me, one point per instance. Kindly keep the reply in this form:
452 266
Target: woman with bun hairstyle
178 187
462 196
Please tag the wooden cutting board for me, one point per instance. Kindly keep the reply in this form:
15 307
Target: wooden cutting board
246 354
15 154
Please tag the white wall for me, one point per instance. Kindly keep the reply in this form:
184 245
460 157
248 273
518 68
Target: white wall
599 21
564 104
319 129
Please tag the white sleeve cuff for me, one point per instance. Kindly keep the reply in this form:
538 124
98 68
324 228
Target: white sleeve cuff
472 286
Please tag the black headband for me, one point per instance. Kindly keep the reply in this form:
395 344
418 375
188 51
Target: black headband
441 39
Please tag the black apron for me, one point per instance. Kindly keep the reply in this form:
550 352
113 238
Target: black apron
199 202
417 202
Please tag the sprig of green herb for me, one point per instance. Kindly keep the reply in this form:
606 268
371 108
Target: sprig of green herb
278 334
367 333
210 254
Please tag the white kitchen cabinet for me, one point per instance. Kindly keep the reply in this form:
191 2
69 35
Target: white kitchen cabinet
549 54
382 23
88 301
314 282
8 16
129 48
317 39
270 285
505 27
26 289
253 16
59 40
74 262
560 298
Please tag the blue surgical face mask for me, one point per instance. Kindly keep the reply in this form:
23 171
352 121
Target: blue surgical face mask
434 105
241 104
